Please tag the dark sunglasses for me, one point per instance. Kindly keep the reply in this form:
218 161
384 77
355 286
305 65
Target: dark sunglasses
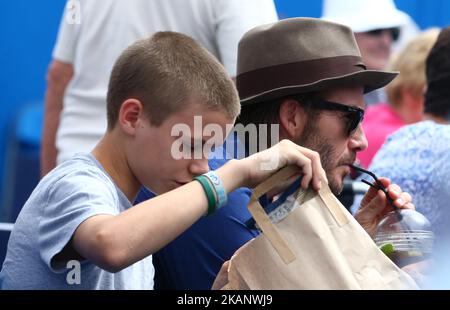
394 32
355 114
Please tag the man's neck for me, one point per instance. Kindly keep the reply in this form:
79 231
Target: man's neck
110 154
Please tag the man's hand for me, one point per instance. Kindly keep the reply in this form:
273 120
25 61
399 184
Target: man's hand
222 277
375 205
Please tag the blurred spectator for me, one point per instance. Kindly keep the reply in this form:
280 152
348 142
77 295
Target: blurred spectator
417 157
407 32
87 46
405 95
377 25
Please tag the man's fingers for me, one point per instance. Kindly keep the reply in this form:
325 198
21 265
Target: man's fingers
371 193
394 191
373 208
222 277
403 200
409 205
385 181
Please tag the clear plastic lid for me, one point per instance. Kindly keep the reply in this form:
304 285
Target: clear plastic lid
407 231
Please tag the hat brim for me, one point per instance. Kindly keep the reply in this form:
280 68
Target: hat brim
369 79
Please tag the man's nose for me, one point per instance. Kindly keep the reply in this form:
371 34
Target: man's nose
358 141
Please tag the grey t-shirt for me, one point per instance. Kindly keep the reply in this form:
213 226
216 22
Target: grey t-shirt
73 192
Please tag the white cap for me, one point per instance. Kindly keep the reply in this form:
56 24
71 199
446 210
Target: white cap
364 15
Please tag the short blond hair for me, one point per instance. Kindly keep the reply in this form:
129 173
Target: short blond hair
166 72
411 64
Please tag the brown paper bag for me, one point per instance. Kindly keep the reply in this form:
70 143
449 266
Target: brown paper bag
319 245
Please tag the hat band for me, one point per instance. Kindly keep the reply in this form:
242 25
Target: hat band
299 74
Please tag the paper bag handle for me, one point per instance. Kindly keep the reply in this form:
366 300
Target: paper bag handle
263 220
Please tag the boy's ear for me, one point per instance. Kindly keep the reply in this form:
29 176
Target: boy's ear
130 114
292 119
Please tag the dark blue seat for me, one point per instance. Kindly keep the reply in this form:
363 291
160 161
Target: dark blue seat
5 231
21 167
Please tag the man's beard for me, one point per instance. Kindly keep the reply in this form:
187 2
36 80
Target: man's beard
311 138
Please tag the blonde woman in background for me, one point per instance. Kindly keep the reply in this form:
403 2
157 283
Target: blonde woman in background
405 95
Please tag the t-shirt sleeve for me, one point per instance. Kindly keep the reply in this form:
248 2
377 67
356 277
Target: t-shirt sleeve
68 34
70 201
233 19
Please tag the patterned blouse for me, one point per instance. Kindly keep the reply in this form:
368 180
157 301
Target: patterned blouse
417 157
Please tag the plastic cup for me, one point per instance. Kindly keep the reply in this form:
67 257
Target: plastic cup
405 236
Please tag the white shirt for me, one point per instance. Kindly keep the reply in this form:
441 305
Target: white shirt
107 27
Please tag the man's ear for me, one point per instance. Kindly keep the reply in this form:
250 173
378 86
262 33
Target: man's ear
130 114
292 119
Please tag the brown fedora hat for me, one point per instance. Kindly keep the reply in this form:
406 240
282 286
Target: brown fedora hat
299 55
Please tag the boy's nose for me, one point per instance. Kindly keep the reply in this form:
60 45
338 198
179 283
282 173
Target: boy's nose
199 166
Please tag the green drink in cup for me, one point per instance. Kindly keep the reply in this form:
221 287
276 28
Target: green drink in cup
405 236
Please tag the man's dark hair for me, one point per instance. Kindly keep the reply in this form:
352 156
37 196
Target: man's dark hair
268 113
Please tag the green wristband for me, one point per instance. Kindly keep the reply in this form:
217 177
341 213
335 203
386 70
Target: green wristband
209 191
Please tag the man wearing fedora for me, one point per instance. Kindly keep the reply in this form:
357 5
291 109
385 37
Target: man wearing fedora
307 76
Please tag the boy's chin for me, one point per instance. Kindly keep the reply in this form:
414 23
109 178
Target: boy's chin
171 185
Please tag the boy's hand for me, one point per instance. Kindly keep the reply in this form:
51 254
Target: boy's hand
375 205
260 166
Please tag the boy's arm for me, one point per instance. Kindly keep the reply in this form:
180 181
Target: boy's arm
115 242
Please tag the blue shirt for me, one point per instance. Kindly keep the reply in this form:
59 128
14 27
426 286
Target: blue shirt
193 260
417 157
73 192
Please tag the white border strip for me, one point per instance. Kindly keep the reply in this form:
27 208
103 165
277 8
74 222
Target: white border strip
6 226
